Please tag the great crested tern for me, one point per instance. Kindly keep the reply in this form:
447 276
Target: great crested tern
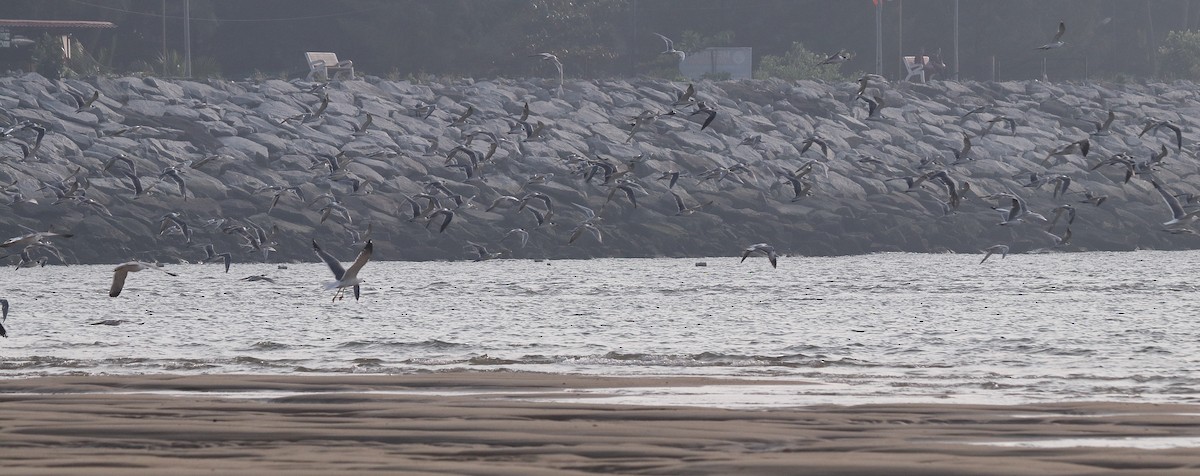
1002 249
344 277
123 270
761 248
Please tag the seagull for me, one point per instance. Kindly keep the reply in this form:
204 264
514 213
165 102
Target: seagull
1018 213
841 56
1081 146
1057 42
963 155
685 210
1102 128
585 226
1063 240
557 65
1008 121
865 80
171 220
82 103
672 175
814 139
124 269
686 97
445 212
481 253
461 120
671 48
1060 210
702 108
173 174
30 238
1154 126
359 129
3 316
1094 199
344 278
212 255
1178 215
1002 249
519 232
761 248
874 105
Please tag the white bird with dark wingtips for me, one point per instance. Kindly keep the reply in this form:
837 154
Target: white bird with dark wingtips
761 248
671 48
1057 42
1002 249
1179 217
344 277
123 270
839 57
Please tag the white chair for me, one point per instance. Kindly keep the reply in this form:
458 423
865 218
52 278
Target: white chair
914 67
327 65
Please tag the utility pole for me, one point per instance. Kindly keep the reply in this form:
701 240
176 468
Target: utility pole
879 37
900 35
187 38
956 69
164 37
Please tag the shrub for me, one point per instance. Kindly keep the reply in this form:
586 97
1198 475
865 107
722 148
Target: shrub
1180 54
798 63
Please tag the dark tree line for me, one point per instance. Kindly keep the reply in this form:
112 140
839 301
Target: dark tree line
604 38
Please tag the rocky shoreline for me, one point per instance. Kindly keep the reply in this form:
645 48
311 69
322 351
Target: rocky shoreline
852 209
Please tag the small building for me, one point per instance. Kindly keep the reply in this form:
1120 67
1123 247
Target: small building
17 38
718 63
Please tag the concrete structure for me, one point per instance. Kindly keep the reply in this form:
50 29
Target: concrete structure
717 62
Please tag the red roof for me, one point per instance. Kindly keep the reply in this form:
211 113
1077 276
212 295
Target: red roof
55 24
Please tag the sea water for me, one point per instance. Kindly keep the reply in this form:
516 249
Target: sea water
894 327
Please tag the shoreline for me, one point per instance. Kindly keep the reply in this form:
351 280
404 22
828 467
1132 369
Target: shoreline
494 423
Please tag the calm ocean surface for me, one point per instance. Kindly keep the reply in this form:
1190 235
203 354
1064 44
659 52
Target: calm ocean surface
1032 327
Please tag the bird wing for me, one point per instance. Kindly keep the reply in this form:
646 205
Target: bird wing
678 201
1172 202
334 265
360 261
1062 28
118 281
3 309
670 44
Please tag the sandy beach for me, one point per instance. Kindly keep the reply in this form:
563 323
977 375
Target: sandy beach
507 423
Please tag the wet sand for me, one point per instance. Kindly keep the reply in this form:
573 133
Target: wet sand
505 423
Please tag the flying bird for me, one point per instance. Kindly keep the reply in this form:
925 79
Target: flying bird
1155 126
344 277
123 270
841 56
671 48
761 248
702 108
81 103
1057 42
1178 215
1002 249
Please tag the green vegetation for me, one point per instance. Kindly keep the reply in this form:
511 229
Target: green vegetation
1181 55
799 63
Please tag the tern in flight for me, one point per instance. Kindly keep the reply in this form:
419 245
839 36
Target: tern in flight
344 277
122 271
761 248
671 48
1002 249
1057 42
1178 215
